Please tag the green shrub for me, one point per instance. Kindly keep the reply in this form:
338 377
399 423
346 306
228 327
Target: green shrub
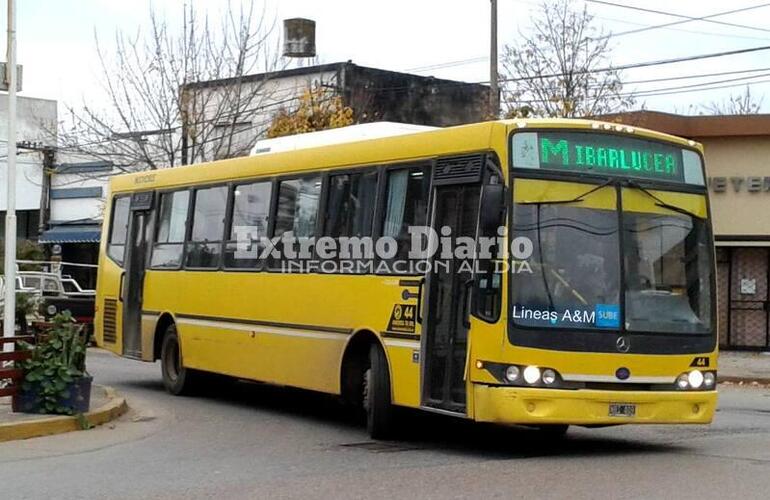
58 359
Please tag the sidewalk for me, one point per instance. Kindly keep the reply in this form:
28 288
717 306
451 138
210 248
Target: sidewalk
106 405
746 367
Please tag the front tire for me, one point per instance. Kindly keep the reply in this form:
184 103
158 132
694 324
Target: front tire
377 402
177 379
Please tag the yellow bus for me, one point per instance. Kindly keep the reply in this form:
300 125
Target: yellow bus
537 272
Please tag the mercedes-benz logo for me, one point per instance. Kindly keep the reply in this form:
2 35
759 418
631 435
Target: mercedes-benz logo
623 344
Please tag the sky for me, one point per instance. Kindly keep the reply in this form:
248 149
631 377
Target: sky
443 38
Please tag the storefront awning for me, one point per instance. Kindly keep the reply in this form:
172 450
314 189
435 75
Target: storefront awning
74 233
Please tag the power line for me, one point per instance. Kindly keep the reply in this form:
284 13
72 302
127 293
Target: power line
645 64
644 27
718 87
685 89
643 93
703 84
698 75
683 18
683 30
449 64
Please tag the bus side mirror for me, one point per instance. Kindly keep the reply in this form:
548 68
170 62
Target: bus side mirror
492 209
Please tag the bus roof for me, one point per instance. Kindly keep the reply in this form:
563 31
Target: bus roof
341 135
366 150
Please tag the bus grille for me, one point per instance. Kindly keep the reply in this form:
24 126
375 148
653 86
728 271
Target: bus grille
108 323
458 169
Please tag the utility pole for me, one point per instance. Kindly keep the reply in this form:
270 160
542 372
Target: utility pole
9 308
494 90
49 160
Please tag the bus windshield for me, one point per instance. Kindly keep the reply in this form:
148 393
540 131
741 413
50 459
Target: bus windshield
667 259
647 270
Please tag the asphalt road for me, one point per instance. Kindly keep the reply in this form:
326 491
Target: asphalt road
255 441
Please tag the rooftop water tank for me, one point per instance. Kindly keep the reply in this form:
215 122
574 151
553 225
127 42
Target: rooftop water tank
298 37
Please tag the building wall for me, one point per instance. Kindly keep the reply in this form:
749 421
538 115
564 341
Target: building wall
374 95
79 196
739 182
738 173
378 95
36 122
260 100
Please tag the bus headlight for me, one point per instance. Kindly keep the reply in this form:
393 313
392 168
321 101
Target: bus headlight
683 381
531 374
512 373
51 310
549 376
695 378
709 379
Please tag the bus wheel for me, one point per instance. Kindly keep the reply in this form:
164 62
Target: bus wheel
376 397
177 379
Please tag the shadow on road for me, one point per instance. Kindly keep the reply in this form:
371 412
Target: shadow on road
418 430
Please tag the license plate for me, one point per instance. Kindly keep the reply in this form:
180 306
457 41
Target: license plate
622 410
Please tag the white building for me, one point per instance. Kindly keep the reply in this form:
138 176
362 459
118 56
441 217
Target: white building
61 206
36 123
75 210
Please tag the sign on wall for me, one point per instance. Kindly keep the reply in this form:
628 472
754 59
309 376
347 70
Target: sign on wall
737 184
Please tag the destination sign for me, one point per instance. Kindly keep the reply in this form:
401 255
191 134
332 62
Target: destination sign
605 154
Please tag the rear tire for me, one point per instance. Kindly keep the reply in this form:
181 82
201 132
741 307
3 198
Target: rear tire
377 404
177 379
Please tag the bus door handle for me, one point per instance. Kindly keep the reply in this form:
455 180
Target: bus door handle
120 286
406 295
466 298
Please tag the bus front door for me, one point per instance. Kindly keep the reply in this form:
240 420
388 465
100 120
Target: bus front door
455 213
139 234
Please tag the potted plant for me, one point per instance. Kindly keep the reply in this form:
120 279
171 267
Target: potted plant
55 378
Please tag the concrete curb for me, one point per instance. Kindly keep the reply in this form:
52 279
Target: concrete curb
25 429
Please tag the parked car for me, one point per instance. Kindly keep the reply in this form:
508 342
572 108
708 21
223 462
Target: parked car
54 293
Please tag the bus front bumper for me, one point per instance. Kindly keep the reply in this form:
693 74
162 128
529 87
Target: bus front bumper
522 405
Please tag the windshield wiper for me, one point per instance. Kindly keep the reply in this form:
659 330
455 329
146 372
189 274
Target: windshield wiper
578 198
663 204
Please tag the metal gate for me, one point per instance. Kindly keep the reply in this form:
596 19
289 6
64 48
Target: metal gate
744 302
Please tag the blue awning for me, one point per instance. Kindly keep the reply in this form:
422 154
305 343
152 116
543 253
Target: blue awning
72 233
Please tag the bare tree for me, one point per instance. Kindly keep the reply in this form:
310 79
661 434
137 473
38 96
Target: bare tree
737 104
561 67
155 112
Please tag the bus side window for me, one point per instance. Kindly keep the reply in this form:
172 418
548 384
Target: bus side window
208 227
172 224
249 223
296 217
119 229
406 205
349 214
